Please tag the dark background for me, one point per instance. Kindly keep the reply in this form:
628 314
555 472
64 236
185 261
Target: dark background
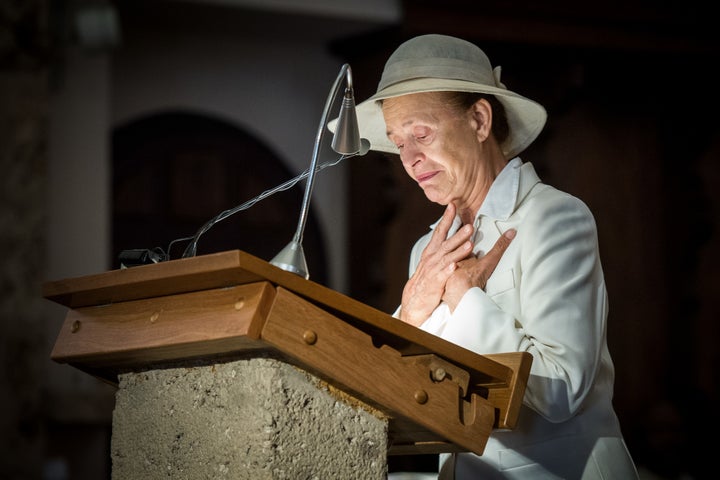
631 92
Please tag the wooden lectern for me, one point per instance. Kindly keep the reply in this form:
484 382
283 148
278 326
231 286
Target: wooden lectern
438 396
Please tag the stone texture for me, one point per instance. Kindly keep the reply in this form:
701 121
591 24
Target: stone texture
247 419
23 182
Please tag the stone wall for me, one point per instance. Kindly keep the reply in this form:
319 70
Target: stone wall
23 154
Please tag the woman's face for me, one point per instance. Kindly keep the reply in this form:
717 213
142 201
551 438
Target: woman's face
439 146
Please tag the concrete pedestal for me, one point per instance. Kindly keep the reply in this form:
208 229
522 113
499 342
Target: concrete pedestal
248 419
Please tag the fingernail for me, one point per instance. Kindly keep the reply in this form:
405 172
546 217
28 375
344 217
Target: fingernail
510 234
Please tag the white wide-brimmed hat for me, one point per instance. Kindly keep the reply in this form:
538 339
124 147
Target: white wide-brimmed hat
439 63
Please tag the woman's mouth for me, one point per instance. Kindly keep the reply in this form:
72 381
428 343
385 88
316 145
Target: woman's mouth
425 177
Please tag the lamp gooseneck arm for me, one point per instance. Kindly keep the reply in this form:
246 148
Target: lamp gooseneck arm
345 71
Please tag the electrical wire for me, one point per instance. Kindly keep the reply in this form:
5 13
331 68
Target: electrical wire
191 248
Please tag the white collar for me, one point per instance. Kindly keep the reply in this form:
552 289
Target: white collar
502 196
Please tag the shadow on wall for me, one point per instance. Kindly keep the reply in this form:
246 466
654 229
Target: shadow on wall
670 441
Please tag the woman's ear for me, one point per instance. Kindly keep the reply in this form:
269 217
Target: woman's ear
482 115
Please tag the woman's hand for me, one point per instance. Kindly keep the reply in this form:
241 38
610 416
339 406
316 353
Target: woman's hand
438 262
475 272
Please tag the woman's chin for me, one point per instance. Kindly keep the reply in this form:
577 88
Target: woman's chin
434 197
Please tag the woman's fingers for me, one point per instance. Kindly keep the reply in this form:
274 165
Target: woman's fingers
442 228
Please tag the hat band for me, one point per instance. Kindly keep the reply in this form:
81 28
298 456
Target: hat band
441 68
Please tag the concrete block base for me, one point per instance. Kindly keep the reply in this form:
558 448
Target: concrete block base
248 419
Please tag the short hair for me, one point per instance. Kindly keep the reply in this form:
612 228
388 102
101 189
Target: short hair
465 100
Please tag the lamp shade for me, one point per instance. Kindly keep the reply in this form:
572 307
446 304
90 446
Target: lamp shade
346 139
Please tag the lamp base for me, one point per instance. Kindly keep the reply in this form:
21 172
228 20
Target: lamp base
292 259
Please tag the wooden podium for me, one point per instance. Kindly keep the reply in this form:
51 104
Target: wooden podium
438 397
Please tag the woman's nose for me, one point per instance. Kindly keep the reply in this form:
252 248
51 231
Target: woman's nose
410 155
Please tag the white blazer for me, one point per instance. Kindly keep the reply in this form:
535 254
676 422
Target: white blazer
547 296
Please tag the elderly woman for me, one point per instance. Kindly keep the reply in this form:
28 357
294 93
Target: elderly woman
512 265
